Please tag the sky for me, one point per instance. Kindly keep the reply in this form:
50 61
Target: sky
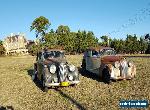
115 18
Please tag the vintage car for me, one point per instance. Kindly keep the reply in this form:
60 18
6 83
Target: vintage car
52 69
109 66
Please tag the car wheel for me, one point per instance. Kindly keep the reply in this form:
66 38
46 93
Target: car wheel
83 64
73 85
106 76
45 88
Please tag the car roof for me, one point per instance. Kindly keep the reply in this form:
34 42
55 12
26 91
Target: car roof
51 50
99 48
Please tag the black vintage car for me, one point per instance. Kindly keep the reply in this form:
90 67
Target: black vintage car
52 69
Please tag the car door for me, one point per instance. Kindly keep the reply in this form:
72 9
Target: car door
93 62
88 60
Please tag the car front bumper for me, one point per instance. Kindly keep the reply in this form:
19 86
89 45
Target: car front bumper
68 83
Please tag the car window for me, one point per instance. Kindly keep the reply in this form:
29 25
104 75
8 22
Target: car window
94 53
108 52
89 53
53 54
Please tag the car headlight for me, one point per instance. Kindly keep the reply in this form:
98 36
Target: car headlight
52 69
72 68
116 64
130 63
70 77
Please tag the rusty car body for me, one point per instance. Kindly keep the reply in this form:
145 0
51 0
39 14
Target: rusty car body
52 69
105 63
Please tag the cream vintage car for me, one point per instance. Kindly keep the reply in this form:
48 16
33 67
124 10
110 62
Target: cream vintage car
109 66
52 69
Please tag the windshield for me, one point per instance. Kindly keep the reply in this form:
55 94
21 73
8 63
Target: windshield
53 54
107 52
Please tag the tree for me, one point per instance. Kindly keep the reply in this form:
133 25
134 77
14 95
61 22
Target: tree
51 39
2 49
106 40
63 34
143 45
132 44
40 25
33 49
63 30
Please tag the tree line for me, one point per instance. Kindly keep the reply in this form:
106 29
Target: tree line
131 45
78 42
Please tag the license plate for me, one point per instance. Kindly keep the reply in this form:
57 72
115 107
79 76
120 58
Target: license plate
64 83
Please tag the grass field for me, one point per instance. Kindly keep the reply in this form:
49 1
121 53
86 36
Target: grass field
18 91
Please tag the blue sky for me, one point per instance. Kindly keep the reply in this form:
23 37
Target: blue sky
116 17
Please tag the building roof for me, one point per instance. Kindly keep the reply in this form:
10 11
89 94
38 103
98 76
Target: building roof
15 38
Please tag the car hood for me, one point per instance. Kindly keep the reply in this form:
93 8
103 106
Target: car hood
55 60
111 59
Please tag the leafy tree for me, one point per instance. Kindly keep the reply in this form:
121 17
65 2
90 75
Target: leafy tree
132 44
40 25
51 40
85 40
2 49
63 34
148 49
33 49
106 41
1 42
63 30
143 45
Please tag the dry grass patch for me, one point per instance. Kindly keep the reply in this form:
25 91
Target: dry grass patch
19 91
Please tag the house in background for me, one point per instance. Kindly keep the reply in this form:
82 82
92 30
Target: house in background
15 43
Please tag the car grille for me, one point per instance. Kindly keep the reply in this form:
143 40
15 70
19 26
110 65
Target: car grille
124 69
63 72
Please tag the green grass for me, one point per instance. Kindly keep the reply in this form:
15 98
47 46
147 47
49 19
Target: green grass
19 91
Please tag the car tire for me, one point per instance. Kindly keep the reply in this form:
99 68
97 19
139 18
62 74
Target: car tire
83 70
73 85
83 64
45 88
106 76
34 76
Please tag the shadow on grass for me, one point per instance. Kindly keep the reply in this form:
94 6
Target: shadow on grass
39 85
6 108
78 105
93 76
37 82
89 75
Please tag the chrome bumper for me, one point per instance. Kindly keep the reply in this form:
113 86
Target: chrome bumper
59 84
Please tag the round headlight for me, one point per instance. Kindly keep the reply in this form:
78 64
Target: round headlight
70 77
130 63
72 68
52 68
116 64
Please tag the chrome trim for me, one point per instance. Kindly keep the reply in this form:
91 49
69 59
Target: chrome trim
58 84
